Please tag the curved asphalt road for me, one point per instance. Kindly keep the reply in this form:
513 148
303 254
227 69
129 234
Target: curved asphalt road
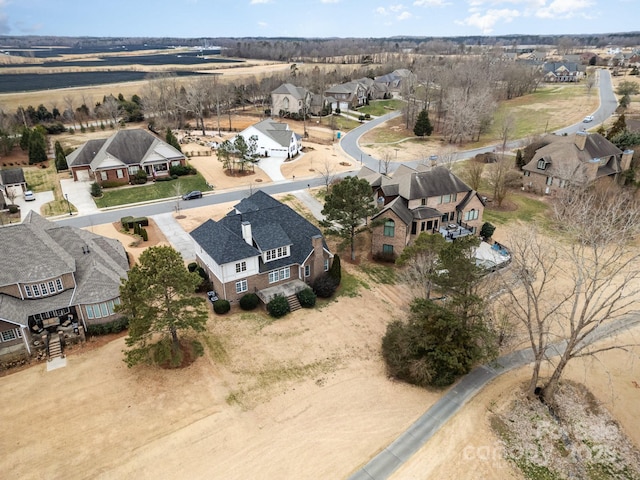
350 142
400 450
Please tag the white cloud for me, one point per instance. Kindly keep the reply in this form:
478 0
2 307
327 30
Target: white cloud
564 9
256 2
431 3
263 24
486 22
381 11
396 8
404 16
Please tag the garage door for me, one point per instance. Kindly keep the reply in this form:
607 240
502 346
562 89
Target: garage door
14 192
83 175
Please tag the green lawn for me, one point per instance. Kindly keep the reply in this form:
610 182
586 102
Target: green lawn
528 210
151 191
378 108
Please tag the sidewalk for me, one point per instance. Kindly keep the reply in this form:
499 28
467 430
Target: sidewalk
177 237
314 206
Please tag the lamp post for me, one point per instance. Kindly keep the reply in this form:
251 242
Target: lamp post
66 195
396 149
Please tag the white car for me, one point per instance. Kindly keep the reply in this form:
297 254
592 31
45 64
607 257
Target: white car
29 196
587 119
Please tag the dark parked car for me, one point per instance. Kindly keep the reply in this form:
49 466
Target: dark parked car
192 195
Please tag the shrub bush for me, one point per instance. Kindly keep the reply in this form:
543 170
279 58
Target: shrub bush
140 178
55 128
278 307
14 209
144 234
387 257
335 271
113 183
181 170
164 179
96 189
192 267
367 116
249 301
221 306
324 286
337 111
114 326
306 298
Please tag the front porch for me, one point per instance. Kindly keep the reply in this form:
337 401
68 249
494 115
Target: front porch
285 290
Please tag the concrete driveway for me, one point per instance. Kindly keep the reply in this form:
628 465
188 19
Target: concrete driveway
79 195
35 205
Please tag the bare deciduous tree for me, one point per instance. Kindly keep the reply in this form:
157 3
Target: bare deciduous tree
572 289
327 172
472 174
385 159
501 177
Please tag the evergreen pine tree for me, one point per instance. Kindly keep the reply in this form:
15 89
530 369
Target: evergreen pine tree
172 140
61 159
37 147
423 125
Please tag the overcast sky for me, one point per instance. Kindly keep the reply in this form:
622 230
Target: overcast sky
315 18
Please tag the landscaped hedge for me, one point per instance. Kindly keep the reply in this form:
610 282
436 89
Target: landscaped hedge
278 307
325 286
221 306
306 298
131 222
114 326
113 183
181 170
249 301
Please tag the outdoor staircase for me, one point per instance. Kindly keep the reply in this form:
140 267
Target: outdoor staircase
55 349
294 303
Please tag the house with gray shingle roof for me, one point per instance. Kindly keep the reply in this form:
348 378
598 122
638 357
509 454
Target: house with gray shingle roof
578 159
12 182
414 201
118 158
273 139
54 277
262 247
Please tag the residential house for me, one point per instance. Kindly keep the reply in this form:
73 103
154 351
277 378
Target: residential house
562 72
346 96
413 201
262 247
12 182
54 277
394 81
578 159
375 90
288 98
121 156
273 139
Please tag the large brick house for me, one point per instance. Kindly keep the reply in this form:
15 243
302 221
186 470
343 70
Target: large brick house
261 247
121 156
412 201
578 159
52 278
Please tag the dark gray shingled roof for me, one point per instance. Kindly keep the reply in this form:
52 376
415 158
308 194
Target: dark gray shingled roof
223 240
432 183
268 236
85 153
12 176
223 245
399 207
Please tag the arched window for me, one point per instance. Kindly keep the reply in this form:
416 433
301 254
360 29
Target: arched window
389 228
285 103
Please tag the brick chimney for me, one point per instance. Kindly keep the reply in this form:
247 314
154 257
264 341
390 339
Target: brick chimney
625 161
246 233
581 140
318 256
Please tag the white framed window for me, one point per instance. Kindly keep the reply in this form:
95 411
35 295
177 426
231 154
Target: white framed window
471 215
103 175
36 290
27 290
134 169
307 270
9 335
241 267
549 180
276 253
59 284
241 286
277 275
273 276
387 249
326 264
119 173
175 163
52 288
43 288
542 165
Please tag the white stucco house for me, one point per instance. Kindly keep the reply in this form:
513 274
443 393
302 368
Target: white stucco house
274 139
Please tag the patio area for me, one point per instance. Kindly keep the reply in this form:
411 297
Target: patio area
283 289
